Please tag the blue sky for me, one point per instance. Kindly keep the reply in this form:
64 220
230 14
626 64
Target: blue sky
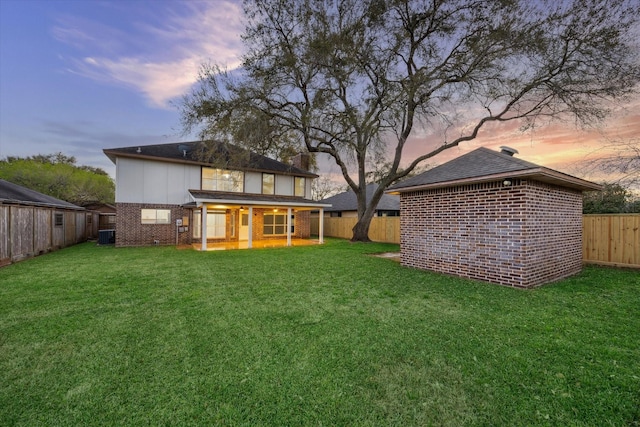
83 75
80 76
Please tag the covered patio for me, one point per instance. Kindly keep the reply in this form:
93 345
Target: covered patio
258 220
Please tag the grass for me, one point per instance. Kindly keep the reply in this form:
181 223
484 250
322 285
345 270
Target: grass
323 335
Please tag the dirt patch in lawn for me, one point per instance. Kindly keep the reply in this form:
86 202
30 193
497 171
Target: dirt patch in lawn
394 256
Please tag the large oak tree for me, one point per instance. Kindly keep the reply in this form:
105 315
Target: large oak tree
355 79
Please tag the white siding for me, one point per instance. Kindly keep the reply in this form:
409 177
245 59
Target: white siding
181 179
145 181
284 185
148 181
253 182
155 182
129 180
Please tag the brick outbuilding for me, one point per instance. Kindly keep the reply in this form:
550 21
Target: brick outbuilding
490 216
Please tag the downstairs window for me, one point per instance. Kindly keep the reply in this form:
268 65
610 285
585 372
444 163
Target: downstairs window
275 224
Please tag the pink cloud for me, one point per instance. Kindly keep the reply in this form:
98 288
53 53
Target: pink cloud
560 146
167 56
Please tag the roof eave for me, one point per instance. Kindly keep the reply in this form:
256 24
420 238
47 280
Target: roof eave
113 154
40 204
540 174
200 200
254 200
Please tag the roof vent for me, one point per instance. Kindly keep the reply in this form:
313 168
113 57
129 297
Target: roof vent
184 149
508 151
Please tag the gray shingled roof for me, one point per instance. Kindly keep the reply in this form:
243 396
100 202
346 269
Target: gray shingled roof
347 201
14 193
483 163
190 152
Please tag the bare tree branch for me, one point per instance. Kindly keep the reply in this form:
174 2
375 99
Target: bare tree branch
353 78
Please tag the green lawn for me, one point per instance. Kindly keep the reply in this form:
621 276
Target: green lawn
322 335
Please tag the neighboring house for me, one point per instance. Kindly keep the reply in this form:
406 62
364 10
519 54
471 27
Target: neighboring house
489 216
166 194
346 204
32 223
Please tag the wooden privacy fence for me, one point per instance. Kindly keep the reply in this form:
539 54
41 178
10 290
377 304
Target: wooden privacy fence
382 229
606 239
611 239
28 231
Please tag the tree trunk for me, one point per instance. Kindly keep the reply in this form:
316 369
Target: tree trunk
361 230
366 212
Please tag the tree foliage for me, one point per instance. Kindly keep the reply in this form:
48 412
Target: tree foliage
614 198
355 79
58 175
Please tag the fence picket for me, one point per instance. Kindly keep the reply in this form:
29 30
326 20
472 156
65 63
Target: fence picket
606 239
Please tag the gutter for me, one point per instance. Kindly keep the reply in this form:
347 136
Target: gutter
540 174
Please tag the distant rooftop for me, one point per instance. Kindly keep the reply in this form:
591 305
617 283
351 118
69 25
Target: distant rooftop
348 201
17 194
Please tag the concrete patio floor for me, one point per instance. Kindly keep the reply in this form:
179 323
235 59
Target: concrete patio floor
257 244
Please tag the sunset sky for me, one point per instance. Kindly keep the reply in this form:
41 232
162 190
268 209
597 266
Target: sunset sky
80 76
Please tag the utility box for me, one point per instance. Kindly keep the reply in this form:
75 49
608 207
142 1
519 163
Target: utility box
106 237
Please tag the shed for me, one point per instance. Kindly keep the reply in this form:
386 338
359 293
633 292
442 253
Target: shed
490 216
106 215
32 223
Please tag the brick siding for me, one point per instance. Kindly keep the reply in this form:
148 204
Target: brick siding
131 232
522 235
303 224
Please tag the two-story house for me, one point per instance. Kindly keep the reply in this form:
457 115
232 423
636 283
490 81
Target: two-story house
205 192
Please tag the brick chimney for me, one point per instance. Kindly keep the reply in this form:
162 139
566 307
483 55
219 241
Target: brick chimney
301 161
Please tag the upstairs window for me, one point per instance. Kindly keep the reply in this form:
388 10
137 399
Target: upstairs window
222 180
299 184
268 183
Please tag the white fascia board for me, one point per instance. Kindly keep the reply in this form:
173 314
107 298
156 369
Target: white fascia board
200 202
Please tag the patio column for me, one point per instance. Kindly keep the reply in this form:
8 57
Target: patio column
250 232
321 226
288 226
203 229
